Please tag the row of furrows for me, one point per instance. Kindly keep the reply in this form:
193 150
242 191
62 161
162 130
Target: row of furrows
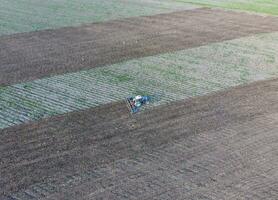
176 162
167 77
124 167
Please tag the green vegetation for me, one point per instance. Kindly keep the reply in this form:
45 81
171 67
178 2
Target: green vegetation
114 77
2 89
31 15
260 6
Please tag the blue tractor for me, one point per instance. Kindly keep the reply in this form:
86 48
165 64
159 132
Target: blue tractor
134 103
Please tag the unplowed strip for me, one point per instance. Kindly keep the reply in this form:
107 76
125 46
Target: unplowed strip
204 146
34 55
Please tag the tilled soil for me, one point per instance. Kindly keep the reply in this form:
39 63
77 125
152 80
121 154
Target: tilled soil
221 146
29 56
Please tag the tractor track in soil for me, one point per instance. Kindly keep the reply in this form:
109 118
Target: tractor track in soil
202 148
34 55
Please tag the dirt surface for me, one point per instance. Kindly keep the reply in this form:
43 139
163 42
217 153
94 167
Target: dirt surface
221 146
34 55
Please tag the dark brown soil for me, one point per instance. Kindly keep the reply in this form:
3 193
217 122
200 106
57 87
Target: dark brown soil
29 56
221 146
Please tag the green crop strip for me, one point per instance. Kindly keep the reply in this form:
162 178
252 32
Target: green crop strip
31 15
259 6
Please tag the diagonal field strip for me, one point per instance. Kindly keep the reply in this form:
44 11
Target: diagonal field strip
167 77
30 56
259 6
19 16
206 145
